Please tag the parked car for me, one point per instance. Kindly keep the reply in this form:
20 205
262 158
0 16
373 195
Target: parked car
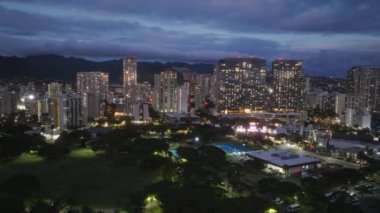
293 208
277 201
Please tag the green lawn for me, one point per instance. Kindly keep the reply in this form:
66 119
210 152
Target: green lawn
86 177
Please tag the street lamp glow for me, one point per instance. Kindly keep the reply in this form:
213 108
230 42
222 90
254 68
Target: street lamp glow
151 198
271 210
31 97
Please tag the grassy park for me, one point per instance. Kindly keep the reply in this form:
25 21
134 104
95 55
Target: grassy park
83 176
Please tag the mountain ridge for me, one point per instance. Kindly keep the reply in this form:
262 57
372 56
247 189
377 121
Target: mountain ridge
65 68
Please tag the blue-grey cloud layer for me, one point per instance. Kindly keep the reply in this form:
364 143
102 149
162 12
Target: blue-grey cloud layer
330 36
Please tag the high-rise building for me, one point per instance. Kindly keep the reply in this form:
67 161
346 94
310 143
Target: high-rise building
43 109
144 91
56 112
241 84
363 89
93 82
31 104
129 83
289 85
54 89
66 111
141 111
94 88
167 100
74 112
8 101
350 117
203 89
129 73
68 89
29 88
333 102
92 102
156 92
183 94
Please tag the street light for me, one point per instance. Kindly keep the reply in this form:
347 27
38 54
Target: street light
271 210
196 139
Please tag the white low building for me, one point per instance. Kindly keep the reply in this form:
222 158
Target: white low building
285 162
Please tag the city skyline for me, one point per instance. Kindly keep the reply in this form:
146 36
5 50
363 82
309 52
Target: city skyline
328 36
243 136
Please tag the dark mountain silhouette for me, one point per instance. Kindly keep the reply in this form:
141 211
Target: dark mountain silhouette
65 68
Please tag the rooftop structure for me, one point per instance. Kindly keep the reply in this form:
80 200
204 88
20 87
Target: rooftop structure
282 158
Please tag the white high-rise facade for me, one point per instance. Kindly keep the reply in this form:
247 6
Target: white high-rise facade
130 83
94 88
167 100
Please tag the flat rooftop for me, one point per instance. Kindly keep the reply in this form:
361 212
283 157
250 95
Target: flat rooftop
282 157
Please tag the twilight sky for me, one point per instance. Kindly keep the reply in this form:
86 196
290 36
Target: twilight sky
329 35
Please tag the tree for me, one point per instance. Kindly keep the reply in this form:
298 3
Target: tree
135 202
53 151
343 207
251 204
267 185
341 176
149 146
11 204
74 137
213 157
21 185
87 209
194 174
192 199
41 206
117 137
311 185
287 188
13 145
208 133
71 210
153 162
188 153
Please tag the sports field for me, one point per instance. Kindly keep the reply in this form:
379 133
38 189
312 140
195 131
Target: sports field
85 177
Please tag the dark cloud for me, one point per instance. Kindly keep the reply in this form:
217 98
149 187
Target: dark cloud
330 36
324 16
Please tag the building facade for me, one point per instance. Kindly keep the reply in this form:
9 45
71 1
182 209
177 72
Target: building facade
66 111
94 88
93 82
331 102
129 73
363 89
240 84
167 95
288 84
130 83
54 89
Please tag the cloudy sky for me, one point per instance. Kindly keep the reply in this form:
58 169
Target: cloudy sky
329 35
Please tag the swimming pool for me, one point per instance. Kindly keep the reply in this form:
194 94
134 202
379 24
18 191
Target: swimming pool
233 149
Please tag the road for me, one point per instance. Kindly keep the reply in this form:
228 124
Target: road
328 159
